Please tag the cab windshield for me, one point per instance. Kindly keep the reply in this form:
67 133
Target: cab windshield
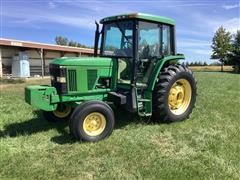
118 39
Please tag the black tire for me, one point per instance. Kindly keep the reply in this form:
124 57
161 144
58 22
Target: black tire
81 114
54 116
169 78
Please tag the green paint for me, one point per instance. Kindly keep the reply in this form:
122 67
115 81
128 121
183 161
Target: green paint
83 61
83 77
154 76
42 97
141 16
84 97
114 74
159 66
46 97
78 73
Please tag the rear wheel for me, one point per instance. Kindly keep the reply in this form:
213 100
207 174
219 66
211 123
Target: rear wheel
174 95
92 121
62 112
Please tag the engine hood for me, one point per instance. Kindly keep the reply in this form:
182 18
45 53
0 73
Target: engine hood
82 61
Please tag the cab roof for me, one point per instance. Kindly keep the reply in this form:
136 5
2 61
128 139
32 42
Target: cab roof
142 16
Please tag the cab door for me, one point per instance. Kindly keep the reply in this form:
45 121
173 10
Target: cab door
149 45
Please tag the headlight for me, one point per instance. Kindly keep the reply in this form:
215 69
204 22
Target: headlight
61 79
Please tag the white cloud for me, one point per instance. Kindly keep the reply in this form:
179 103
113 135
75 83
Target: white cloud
232 6
98 9
196 43
212 24
90 11
22 17
195 46
232 25
183 31
51 5
202 51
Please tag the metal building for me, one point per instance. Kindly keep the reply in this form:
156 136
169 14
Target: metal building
39 55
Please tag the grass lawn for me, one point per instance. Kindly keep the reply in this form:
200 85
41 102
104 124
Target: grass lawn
206 146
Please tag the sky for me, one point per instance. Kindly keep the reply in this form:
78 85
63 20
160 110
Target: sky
43 20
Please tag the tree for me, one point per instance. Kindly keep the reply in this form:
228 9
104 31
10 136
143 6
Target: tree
205 64
59 40
234 57
81 45
221 45
72 43
63 41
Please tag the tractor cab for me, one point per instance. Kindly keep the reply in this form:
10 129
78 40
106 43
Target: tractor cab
137 42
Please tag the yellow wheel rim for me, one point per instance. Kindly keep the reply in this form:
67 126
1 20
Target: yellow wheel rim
62 113
180 96
94 124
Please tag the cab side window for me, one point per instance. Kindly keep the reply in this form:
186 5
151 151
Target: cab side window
166 41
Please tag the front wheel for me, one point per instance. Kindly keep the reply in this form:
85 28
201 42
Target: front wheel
92 121
62 112
174 95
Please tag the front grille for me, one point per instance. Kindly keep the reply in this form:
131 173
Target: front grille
55 71
72 82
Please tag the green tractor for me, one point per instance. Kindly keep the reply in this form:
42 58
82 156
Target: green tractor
136 70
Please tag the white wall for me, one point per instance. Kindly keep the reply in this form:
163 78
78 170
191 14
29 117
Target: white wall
34 58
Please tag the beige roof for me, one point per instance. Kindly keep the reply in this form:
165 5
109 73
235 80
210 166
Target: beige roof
36 45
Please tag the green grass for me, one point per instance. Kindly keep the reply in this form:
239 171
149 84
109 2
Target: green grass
206 146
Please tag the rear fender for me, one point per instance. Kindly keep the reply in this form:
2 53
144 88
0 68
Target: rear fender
158 67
